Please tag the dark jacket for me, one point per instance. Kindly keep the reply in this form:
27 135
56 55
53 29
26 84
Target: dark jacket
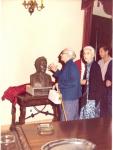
95 82
108 75
69 81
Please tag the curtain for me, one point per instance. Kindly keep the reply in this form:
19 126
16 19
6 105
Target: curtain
107 6
101 32
87 6
86 3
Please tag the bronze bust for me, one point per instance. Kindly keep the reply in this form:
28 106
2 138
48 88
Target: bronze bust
40 78
40 81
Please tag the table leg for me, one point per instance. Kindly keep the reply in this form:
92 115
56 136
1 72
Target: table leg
13 112
56 111
22 115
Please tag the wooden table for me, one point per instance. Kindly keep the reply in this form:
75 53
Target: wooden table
98 131
27 100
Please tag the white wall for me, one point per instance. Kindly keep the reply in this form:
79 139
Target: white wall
25 37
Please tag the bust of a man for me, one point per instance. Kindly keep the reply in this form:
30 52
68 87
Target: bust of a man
40 78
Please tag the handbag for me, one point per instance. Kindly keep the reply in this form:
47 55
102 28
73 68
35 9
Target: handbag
55 96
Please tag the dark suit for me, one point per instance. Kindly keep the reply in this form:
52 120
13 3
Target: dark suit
108 76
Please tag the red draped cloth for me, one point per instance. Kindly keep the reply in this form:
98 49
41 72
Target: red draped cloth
87 6
107 6
12 92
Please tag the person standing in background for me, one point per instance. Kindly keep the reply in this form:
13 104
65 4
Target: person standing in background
81 64
68 83
108 83
104 53
81 67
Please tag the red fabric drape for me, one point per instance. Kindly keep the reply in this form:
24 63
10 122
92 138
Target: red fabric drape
107 6
87 5
12 92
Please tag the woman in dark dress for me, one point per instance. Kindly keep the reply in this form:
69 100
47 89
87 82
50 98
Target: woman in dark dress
92 85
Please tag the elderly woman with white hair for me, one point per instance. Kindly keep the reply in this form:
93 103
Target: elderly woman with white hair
92 82
69 84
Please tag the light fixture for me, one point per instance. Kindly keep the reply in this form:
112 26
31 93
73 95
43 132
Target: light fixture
32 4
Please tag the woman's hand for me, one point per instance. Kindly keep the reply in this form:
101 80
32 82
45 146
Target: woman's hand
108 83
82 82
52 67
55 86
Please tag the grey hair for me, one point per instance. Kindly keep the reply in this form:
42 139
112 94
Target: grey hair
89 48
70 52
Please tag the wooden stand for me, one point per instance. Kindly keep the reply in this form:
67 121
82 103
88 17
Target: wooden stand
26 100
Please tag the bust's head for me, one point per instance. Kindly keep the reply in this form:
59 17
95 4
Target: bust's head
41 64
40 79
